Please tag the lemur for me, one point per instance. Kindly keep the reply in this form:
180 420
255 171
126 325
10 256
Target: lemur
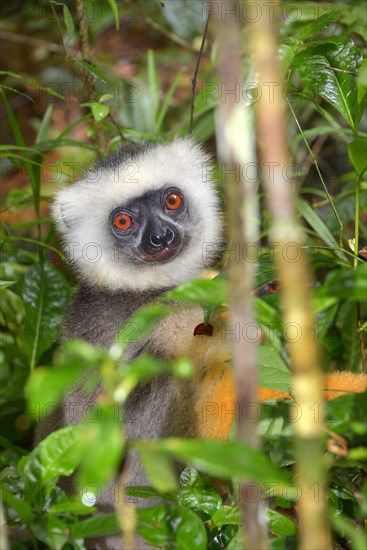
139 223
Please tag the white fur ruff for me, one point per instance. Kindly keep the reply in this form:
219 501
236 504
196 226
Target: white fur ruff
82 212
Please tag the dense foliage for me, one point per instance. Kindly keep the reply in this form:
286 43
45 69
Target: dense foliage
148 99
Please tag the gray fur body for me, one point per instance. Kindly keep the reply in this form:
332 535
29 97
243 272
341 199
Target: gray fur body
160 408
165 193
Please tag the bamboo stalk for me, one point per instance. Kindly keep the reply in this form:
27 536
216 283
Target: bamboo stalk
234 133
295 280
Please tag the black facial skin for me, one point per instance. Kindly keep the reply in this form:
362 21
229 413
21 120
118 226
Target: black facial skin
156 234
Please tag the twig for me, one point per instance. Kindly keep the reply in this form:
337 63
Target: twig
193 81
87 77
180 41
360 337
37 42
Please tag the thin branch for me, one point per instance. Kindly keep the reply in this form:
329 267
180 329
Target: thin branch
360 337
193 89
37 42
87 77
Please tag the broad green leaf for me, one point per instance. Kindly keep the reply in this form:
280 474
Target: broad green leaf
99 111
357 151
160 470
205 292
328 68
57 532
345 283
21 507
200 498
347 528
362 90
227 515
96 526
46 295
57 455
103 441
219 458
281 525
47 386
170 525
274 373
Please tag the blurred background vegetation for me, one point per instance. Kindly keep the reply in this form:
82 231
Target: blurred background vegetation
71 94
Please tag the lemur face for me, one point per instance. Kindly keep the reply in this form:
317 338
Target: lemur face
144 218
153 228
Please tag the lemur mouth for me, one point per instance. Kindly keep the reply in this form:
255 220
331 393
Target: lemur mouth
159 256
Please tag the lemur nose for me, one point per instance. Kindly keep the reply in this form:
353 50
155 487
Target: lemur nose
162 240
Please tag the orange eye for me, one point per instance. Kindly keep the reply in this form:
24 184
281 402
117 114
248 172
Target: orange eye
173 201
122 222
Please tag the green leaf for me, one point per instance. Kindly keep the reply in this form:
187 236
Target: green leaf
200 498
357 151
274 373
93 69
310 29
96 526
281 525
219 458
312 218
43 129
103 445
205 292
69 22
160 470
170 525
99 111
46 387
21 507
115 10
328 68
345 283
153 83
348 528
57 532
149 493
17 199
57 455
227 515
46 295
142 323
71 507
167 100
5 284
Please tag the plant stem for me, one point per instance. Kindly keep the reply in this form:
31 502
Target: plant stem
316 164
236 149
295 280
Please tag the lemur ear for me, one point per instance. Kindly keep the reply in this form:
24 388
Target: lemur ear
63 210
